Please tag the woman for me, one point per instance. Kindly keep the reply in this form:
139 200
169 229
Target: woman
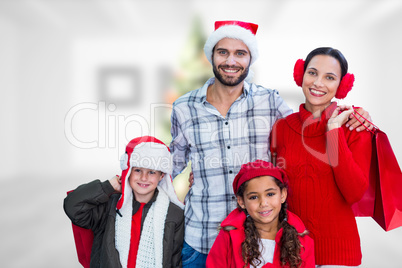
329 171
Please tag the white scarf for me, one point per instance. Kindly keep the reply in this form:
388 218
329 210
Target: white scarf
150 249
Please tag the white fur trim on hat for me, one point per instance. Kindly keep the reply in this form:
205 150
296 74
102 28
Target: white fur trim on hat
235 32
152 155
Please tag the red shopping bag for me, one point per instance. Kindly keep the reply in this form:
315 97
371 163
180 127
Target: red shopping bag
383 199
388 205
83 243
365 207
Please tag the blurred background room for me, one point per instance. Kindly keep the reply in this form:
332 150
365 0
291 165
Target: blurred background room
79 79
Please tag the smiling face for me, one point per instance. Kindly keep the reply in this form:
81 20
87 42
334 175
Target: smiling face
231 60
143 181
320 82
263 200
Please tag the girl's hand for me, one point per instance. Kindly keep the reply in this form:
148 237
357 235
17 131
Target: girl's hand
116 183
338 119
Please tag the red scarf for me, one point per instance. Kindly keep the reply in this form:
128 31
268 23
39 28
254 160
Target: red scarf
135 236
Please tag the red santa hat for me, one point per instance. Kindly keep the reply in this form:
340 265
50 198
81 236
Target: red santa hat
244 31
151 153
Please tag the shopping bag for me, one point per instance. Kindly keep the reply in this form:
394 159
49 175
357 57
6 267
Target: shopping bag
83 243
383 199
365 207
388 205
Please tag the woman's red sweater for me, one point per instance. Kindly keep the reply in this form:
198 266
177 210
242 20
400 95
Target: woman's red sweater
328 172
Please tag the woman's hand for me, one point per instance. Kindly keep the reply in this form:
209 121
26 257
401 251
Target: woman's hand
116 183
338 119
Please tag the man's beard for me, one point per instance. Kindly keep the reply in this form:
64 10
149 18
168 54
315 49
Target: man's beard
231 81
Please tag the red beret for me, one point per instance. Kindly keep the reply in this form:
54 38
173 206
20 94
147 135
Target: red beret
255 169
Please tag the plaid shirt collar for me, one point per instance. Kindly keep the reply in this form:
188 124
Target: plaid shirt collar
211 81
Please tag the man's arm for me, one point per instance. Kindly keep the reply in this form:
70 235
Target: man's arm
282 107
178 147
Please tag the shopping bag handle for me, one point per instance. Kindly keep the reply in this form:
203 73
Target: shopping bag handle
372 131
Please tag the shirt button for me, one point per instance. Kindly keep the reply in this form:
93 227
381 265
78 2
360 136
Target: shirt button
233 197
230 172
226 123
228 147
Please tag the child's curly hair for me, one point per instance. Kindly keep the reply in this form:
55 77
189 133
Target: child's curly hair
290 246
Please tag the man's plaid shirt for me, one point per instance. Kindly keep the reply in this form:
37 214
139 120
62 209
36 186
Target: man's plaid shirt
217 147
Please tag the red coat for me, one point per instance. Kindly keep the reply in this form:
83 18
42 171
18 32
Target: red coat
226 251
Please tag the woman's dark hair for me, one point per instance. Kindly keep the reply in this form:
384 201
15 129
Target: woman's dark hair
290 246
330 52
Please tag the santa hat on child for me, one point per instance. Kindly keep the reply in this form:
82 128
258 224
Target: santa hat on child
244 31
145 152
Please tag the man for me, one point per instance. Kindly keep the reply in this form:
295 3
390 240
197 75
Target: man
219 127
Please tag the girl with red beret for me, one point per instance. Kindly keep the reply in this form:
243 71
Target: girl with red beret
261 232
